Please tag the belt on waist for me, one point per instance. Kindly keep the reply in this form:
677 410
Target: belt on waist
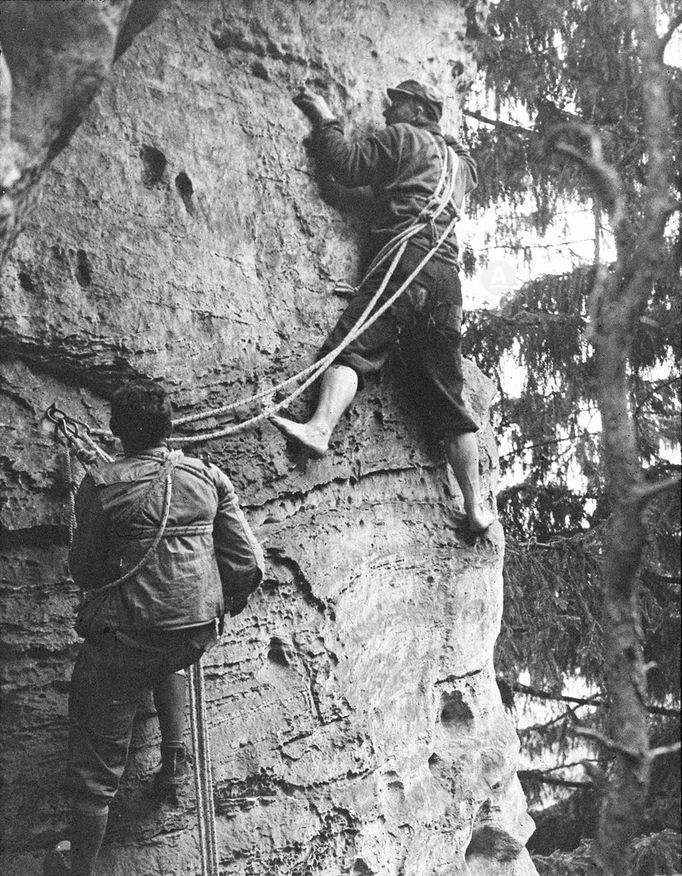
196 529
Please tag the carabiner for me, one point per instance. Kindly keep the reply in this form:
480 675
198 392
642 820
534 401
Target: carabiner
57 416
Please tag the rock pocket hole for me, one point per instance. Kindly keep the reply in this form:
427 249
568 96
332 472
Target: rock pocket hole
26 281
83 268
276 653
495 844
185 189
153 165
453 709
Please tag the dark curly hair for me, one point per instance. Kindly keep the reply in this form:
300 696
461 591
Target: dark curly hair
141 415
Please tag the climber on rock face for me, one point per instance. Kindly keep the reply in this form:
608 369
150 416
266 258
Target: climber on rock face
403 164
162 550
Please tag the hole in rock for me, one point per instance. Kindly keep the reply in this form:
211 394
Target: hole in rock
453 709
26 281
260 71
153 165
83 268
185 189
361 868
276 652
492 842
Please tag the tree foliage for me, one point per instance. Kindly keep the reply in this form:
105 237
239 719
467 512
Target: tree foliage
575 64
561 61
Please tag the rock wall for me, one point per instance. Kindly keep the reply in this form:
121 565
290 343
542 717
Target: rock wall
354 718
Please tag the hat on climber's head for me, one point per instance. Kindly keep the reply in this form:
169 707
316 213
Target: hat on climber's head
432 102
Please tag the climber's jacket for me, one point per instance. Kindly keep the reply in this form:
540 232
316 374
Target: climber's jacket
207 560
402 164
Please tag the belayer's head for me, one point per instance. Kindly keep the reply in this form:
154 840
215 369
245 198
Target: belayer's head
412 102
141 415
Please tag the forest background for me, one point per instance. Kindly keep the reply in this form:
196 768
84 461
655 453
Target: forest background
579 158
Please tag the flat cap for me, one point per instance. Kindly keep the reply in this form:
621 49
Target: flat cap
412 88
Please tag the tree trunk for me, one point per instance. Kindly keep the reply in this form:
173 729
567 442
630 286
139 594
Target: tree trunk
621 301
625 674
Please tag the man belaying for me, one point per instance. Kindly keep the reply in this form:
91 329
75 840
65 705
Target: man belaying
162 550
418 187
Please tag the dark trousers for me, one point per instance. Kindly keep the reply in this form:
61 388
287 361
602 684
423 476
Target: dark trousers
426 321
110 674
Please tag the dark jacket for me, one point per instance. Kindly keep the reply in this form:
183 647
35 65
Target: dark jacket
402 165
207 559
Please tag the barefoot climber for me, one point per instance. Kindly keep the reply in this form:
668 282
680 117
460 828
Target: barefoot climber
173 522
402 164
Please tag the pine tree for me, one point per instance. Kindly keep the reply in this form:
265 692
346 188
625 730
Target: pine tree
593 525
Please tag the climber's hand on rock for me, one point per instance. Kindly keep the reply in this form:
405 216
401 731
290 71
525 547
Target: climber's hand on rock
314 106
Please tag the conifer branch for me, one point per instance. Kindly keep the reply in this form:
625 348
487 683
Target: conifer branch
610 744
661 384
569 714
517 687
549 442
604 177
664 749
541 776
498 123
646 492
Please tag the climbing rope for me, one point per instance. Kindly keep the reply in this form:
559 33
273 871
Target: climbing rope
203 776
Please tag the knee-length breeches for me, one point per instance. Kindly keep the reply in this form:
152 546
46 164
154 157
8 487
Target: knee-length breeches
427 322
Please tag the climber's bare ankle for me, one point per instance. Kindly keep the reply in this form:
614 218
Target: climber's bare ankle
480 518
312 436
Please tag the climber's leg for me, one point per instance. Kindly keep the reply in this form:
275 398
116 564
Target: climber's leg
87 833
340 382
337 391
462 452
77 856
103 700
433 342
169 699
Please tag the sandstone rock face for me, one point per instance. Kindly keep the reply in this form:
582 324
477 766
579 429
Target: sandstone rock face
355 723
54 58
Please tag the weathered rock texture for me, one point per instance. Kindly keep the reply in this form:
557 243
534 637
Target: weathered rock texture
355 722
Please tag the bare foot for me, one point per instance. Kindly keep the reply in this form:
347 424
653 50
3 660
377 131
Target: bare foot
480 519
314 441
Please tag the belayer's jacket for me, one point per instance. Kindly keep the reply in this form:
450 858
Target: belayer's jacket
401 164
207 560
